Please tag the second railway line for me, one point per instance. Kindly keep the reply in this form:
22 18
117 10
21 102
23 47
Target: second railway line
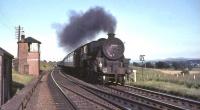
185 103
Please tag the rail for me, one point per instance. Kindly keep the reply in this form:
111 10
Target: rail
171 99
74 107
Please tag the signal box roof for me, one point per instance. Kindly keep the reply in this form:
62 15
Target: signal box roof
31 40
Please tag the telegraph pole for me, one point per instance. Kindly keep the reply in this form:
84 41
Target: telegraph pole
142 59
18 31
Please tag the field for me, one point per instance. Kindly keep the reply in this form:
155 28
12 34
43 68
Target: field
169 81
194 71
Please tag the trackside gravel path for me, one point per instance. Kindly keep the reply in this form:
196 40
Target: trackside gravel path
46 97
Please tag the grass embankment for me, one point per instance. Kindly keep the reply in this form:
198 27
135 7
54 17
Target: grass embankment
19 81
45 66
187 85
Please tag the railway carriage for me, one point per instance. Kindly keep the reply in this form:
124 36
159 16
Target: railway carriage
100 61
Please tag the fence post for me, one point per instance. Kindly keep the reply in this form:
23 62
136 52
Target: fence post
134 73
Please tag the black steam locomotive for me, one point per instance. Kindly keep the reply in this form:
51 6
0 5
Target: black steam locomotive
100 61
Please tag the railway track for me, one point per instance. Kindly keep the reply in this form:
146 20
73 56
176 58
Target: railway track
79 97
182 103
117 100
119 97
59 97
143 100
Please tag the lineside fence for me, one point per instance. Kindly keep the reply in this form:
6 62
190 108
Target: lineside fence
21 99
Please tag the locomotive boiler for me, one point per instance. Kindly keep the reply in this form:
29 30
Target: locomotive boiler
100 61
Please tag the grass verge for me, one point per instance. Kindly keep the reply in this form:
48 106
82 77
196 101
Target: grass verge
45 66
171 88
19 81
180 85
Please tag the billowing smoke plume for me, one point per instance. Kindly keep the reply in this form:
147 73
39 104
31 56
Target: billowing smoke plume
85 26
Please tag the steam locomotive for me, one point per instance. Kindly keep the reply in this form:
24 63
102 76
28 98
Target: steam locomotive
100 61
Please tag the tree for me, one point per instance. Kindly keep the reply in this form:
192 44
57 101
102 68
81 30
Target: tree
176 65
182 65
162 65
135 64
149 65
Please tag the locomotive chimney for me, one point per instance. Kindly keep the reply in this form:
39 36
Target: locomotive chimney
111 35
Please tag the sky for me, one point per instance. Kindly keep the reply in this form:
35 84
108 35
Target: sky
158 29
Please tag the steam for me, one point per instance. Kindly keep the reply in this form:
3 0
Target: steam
84 26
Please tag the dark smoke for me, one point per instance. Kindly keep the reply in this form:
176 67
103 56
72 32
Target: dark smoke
85 26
